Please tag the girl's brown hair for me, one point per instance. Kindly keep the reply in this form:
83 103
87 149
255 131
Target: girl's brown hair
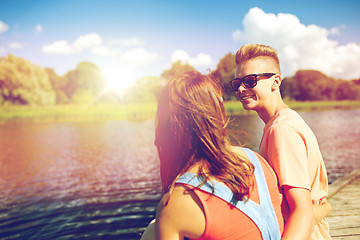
191 129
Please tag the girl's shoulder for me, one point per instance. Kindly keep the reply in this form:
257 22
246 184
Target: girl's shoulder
182 210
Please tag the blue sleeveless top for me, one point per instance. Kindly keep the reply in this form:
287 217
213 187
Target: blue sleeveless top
263 214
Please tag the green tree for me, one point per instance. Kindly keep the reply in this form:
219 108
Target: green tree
22 82
176 69
356 81
347 90
313 85
289 88
138 94
225 72
84 83
151 84
146 89
58 84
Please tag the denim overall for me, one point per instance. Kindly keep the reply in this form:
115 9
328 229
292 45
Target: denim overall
262 215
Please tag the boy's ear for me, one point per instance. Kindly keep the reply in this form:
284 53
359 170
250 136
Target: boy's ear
276 83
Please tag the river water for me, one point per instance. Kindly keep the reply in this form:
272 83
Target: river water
100 180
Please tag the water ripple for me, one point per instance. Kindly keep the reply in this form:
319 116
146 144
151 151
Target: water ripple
101 180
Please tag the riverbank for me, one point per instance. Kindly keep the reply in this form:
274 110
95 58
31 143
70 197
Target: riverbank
235 107
98 112
135 111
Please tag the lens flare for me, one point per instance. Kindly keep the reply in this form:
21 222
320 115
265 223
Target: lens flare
119 79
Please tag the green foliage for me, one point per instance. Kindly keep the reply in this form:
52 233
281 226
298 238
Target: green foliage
311 85
58 83
225 72
347 90
151 84
22 82
314 85
83 96
86 79
176 69
138 94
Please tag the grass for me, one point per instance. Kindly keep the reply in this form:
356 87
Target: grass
134 112
323 105
235 107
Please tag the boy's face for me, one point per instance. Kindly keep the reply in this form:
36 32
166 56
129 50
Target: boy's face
258 97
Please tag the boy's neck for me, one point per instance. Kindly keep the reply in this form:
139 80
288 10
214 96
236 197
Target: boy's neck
269 111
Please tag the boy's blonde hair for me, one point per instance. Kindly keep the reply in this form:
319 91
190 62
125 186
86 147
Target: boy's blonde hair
250 51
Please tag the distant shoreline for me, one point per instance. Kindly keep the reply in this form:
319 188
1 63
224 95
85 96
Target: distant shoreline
134 111
235 108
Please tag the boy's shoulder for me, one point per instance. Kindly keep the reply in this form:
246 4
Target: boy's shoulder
288 118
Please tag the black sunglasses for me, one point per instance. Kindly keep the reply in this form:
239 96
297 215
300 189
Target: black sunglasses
249 81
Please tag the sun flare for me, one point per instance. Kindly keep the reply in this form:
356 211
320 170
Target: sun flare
119 79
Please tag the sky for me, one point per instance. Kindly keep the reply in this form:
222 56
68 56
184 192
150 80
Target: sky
130 39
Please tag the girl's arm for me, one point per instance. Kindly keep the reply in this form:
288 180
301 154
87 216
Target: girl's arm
149 233
179 215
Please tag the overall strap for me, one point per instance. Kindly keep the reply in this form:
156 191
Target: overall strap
262 215
267 213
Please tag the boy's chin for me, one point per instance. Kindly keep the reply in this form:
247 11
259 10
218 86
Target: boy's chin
247 107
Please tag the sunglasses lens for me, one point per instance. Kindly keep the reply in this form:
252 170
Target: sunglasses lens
250 81
235 84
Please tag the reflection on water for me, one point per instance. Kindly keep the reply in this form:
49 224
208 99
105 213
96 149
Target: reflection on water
74 181
101 180
338 134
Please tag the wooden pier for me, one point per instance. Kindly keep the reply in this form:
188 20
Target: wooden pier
344 197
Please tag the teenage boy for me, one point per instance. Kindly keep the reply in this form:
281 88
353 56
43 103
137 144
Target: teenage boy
288 144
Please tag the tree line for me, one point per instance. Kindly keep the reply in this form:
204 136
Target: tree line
24 83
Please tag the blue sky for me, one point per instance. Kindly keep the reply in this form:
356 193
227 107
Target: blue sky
133 39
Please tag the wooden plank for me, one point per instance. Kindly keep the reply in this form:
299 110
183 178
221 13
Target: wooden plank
357 237
345 232
341 212
344 222
344 219
339 184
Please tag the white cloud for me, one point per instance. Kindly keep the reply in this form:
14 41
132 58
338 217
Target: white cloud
59 48
180 55
82 43
201 59
39 28
300 46
87 41
104 51
334 31
3 27
130 59
15 45
129 42
139 56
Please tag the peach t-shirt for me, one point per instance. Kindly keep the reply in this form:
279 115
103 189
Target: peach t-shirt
292 150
